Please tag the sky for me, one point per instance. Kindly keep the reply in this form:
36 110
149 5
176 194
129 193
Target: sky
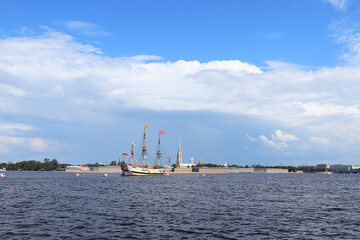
265 82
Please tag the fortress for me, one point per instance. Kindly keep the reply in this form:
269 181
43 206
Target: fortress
187 167
181 167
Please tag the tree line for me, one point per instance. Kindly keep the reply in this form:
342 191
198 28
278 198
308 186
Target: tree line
32 165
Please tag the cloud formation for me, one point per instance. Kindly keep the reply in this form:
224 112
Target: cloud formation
339 4
85 28
279 145
53 76
8 141
284 137
320 140
252 139
346 31
277 141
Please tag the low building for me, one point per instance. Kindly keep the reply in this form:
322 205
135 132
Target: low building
340 167
186 165
355 167
73 168
85 168
323 166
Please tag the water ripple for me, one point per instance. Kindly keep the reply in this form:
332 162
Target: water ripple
179 206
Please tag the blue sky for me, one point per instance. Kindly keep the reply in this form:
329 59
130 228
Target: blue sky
269 82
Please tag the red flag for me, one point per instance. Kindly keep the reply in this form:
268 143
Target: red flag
162 132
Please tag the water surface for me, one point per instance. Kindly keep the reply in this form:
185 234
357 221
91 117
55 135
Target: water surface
180 206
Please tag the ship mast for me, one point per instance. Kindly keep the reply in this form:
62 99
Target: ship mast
144 151
132 152
158 153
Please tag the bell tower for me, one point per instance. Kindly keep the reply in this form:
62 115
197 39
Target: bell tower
179 154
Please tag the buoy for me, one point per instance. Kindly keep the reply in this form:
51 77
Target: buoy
105 174
2 175
203 174
77 174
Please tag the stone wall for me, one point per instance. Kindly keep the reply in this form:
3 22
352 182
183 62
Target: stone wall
229 170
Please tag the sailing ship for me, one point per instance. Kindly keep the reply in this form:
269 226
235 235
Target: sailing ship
135 168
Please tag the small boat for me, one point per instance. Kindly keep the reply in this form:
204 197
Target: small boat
134 168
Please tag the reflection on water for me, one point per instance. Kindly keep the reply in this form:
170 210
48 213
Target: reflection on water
179 206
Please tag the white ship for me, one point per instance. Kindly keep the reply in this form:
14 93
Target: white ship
134 168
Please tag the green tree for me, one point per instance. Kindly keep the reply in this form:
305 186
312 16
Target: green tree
3 165
113 163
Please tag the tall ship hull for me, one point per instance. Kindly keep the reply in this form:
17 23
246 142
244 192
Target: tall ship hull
134 168
142 171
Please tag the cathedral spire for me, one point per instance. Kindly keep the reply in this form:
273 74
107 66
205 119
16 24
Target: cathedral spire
179 155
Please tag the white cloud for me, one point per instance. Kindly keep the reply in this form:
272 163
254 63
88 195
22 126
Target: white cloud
339 4
278 65
320 140
283 137
317 109
274 144
278 140
252 139
34 144
143 58
6 89
81 25
12 127
346 31
54 76
42 145
85 28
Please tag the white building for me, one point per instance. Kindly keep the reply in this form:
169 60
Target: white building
355 167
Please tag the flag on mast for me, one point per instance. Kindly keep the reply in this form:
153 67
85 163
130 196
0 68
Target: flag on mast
162 132
146 126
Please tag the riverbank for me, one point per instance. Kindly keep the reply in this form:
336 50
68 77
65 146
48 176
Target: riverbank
117 169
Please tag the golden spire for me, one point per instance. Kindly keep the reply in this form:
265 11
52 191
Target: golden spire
179 155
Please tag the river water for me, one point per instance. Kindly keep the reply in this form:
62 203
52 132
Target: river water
180 206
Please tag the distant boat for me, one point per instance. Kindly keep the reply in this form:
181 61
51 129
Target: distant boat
134 168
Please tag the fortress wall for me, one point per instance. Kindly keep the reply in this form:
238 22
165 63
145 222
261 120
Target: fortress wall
276 170
72 170
230 170
226 170
109 169
181 170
